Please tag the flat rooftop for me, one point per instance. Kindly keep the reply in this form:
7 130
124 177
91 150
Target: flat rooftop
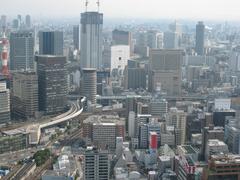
188 149
104 119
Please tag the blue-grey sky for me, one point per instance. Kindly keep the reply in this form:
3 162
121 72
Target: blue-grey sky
199 9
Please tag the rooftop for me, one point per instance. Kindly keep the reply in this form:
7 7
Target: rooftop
187 149
215 142
15 132
105 120
225 159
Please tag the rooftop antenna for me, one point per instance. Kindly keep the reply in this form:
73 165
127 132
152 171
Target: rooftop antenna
98 4
86 5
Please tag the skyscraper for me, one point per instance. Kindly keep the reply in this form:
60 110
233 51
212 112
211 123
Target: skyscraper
135 78
160 40
171 40
52 80
21 50
51 43
152 39
200 28
3 21
25 95
4 103
89 84
120 37
28 21
91 40
120 55
166 70
76 40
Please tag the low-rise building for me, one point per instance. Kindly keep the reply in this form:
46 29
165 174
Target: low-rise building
13 140
222 167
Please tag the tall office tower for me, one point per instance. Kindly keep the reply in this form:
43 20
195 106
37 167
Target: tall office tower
22 50
176 27
88 84
171 40
28 21
25 95
199 48
19 18
160 39
177 118
210 133
15 24
141 47
91 40
166 71
51 43
135 78
152 39
52 83
120 54
120 37
3 21
106 54
76 35
96 164
4 103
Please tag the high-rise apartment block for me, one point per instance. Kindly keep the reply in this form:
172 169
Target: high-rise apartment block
52 81
25 95
21 50
91 40
51 43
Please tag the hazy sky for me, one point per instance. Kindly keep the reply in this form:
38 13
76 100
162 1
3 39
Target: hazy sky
199 9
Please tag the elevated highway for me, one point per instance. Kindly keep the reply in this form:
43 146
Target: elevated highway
34 128
76 108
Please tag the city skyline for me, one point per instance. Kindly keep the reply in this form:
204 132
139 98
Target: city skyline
212 10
